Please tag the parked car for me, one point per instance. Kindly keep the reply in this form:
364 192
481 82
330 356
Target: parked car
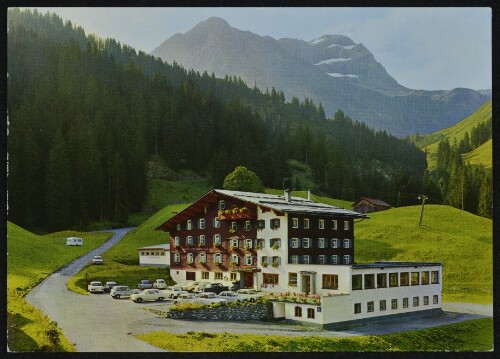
186 297
145 284
122 291
173 292
97 260
190 285
108 286
250 294
95 287
214 288
159 284
148 295
209 298
231 296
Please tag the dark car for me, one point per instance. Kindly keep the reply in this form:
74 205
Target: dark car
145 284
215 288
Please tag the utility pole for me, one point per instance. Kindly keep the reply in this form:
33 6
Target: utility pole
399 194
423 197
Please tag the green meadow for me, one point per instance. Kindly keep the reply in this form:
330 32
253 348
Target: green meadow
481 155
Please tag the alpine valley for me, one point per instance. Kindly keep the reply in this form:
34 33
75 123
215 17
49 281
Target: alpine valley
331 70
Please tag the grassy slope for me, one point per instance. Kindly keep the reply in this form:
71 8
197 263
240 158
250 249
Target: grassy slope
430 142
453 337
458 239
121 262
31 258
481 155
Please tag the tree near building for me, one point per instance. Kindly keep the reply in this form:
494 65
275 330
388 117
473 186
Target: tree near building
242 179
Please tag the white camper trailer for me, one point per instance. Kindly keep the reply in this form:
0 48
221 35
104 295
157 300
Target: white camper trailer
74 241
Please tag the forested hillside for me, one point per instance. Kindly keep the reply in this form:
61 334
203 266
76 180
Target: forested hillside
85 114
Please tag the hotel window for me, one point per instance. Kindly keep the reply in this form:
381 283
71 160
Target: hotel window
321 243
177 241
294 259
202 258
405 302
233 276
248 243
190 258
306 223
347 259
205 275
404 279
294 243
393 279
370 307
217 239
415 301
369 281
394 304
335 259
298 311
434 277
219 275
435 299
248 225
334 224
335 243
263 261
292 279
248 260
306 243
275 243
270 278
330 281
306 259
201 240
260 243
274 223
346 225
415 278
295 223
276 261
321 259
233 243
218 257
261 224
381 280
178 227
189 240
425 278
234 226
321 224
235 258
216 222
189 225
357 308
201 223
222 205
382 305
177 258
347 243
310 313
357 282
426 300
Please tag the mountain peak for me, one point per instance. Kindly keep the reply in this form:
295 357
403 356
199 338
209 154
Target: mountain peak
213 23
332 40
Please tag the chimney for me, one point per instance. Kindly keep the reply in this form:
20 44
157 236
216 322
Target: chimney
287 186
308 194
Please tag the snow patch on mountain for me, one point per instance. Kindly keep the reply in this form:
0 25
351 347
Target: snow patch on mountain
336 74
342 46
317 41
329 61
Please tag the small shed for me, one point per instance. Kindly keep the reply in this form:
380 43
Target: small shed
155 256
369 205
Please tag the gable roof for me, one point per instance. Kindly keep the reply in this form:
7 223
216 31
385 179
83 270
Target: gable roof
165 246
277 203
377 202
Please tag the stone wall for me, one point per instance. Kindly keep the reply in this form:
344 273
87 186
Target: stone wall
236 313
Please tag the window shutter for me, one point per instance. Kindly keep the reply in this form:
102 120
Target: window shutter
300 242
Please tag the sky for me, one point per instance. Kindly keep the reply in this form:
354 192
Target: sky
422 48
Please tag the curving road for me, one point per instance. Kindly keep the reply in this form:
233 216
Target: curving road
99 323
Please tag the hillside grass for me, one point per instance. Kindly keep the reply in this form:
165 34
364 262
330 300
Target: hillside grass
472 335
121 262
461 241
483 155
430 142
31 258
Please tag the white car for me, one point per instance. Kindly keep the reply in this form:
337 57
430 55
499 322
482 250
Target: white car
148 295
122 291
250 294
95 287
231 296
97 260
209 298
159 284
173 292
186 298
190 285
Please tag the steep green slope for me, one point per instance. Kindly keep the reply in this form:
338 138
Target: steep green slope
481 155
429 143
458 239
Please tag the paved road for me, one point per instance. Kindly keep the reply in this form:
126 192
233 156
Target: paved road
99 323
